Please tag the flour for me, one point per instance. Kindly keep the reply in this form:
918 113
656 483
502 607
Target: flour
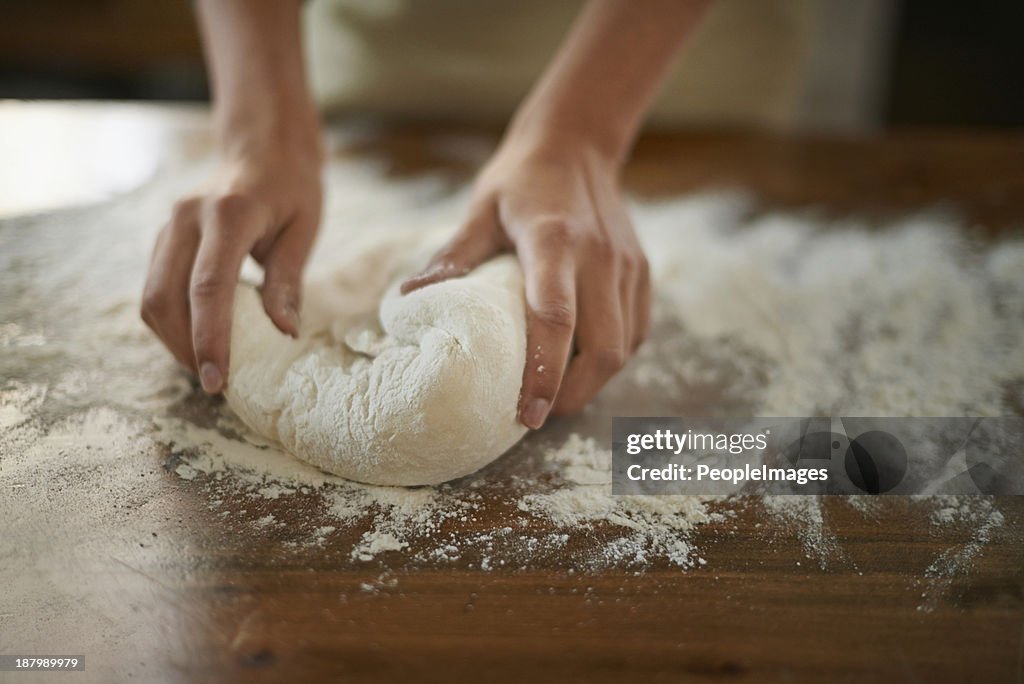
980 518
806 515
772 314
909 320
658 526
266 521
373 543
582 461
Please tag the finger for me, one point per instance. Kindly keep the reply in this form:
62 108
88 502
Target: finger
165 307
550 281
282 279
600 342
627 303
642 298
229 229
474 243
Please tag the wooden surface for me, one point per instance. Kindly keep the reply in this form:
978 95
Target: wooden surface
100 36
222 604
760 610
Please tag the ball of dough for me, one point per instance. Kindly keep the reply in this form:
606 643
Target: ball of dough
419 389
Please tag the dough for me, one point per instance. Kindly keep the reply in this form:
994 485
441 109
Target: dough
387 389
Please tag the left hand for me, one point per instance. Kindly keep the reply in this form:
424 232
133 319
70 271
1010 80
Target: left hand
588 293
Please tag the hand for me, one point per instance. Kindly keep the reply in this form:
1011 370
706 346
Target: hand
263 203
559 207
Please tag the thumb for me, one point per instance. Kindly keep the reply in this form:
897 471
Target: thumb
282 280
474 243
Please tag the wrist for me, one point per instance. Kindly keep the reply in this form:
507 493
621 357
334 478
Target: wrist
552 139
270 132
572 130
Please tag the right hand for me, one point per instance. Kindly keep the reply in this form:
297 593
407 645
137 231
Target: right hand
266 204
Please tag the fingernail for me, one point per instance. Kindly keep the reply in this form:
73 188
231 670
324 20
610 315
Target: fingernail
419 280
535 413
433 274
291 316
210 376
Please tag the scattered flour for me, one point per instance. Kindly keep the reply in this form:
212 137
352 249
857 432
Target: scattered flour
658 526
755 314
806 514
373 543
266 521
980 518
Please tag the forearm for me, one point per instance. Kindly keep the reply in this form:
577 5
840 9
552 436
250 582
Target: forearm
254 58
607 73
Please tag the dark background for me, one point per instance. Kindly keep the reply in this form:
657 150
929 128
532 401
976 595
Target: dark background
957 63
953 63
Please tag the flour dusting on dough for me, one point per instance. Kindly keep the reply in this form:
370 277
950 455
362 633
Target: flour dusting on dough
419 389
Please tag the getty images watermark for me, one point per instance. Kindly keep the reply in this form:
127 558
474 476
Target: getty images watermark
818 455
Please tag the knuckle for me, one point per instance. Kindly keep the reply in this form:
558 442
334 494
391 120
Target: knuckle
183 211
556 314
602 249
630 261
609 359
154 305
555 230
229 207
206 286
179 226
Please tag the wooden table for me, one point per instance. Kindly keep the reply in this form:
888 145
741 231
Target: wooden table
220 604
